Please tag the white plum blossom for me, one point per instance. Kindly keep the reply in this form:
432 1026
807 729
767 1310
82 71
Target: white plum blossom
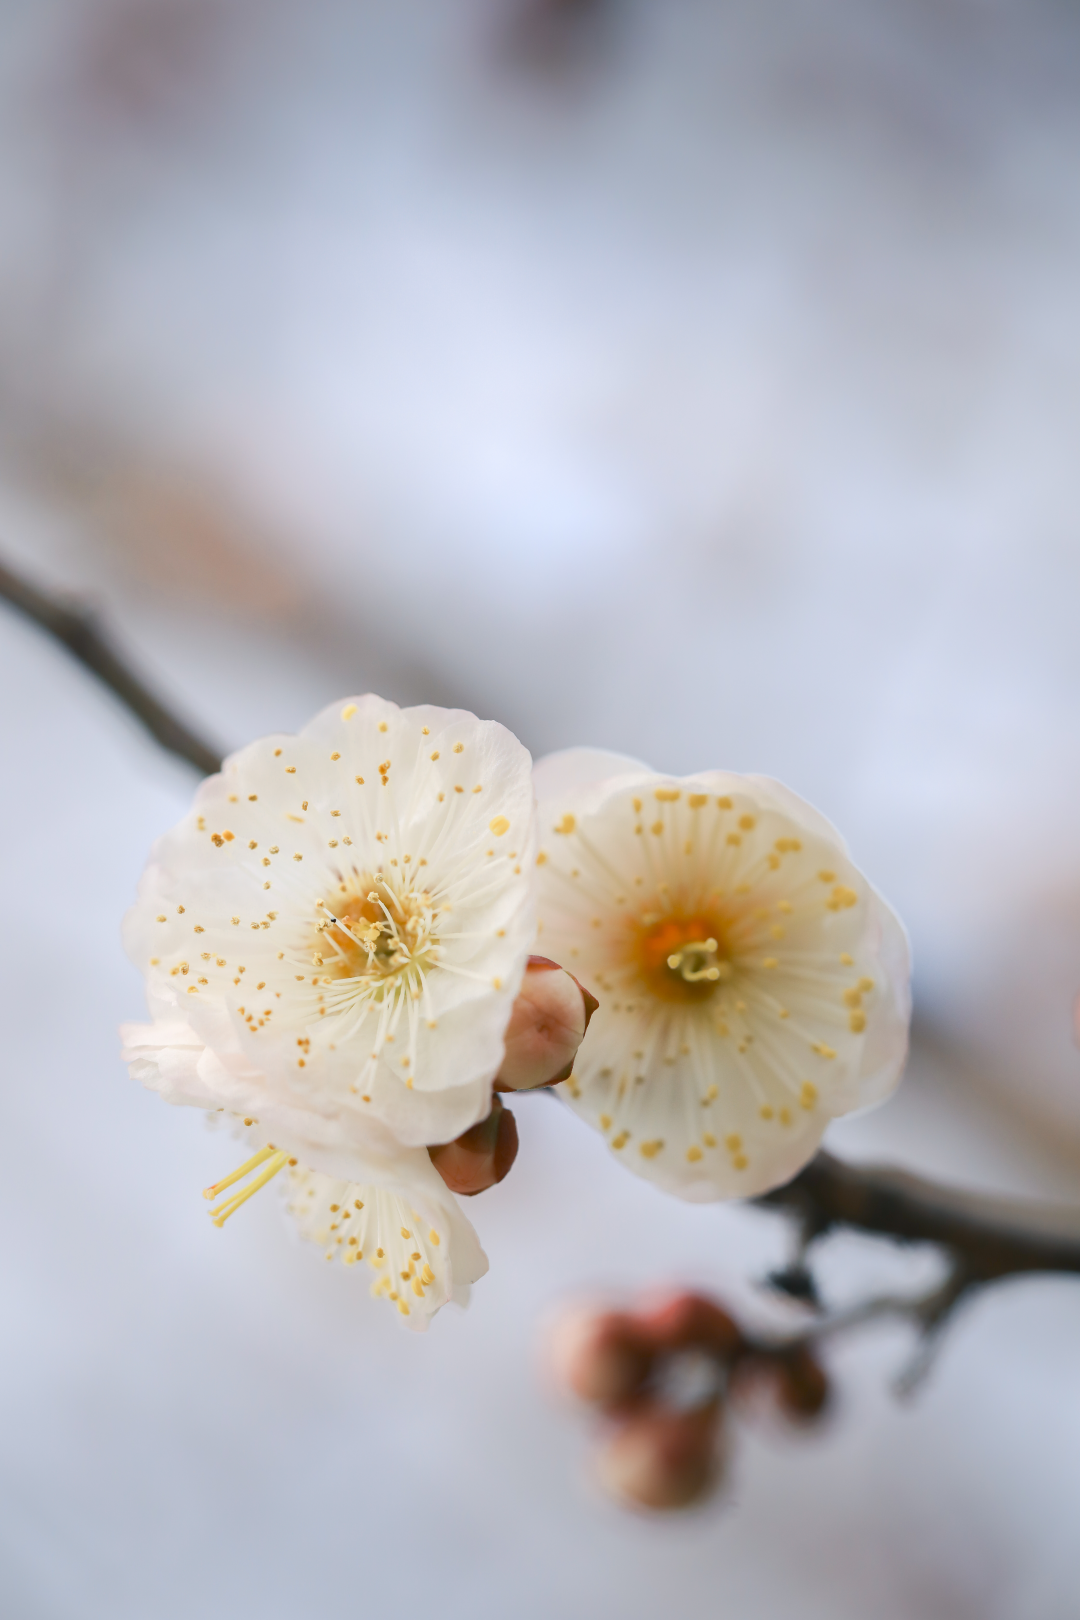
334 935
752 984
391 1208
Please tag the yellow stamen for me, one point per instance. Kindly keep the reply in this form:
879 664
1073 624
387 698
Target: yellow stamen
237 1175
277 1162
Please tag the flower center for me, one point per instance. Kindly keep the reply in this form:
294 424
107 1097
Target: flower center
682 958
376 935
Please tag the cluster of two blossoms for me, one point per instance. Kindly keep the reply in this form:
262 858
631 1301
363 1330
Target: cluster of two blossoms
340 940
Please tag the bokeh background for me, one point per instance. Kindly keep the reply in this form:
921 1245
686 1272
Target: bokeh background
695 378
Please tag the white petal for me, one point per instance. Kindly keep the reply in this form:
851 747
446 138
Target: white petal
797 1002
407 1228
572 769
416 825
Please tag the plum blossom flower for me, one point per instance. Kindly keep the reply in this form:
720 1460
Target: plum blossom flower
390 1205
753 984
334 936
387 1205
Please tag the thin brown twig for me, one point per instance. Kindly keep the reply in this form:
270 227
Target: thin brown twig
76 628
985 1238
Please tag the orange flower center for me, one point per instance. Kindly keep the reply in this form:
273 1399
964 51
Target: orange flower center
683 959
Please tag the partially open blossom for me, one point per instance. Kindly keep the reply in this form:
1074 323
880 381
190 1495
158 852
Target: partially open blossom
400 1220
753 984
382 1202
334 936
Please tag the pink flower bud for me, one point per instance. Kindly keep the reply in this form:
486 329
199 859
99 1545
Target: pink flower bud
603 1359
661 1460
547 1025
481 1156
690 1321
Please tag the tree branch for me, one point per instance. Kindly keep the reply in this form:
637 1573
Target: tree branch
985 1240
76 629
987 1237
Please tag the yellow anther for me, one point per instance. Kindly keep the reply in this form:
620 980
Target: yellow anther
237 1175
275 1163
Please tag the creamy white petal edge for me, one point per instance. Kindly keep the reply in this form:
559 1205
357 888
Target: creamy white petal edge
342 923
420 1246
752 984
389 1208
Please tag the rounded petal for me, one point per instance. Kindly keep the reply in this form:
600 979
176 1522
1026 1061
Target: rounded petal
572 769
752 984
407 1228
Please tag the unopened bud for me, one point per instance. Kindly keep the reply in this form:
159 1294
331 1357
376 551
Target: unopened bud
802 1385
547 1025
790 1384
480 1157
662 1460
692 1322
602 1359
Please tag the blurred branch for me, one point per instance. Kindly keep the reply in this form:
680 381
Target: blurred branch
76 629
986 1239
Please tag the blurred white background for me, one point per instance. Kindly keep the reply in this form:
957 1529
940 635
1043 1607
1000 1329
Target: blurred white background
695 379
